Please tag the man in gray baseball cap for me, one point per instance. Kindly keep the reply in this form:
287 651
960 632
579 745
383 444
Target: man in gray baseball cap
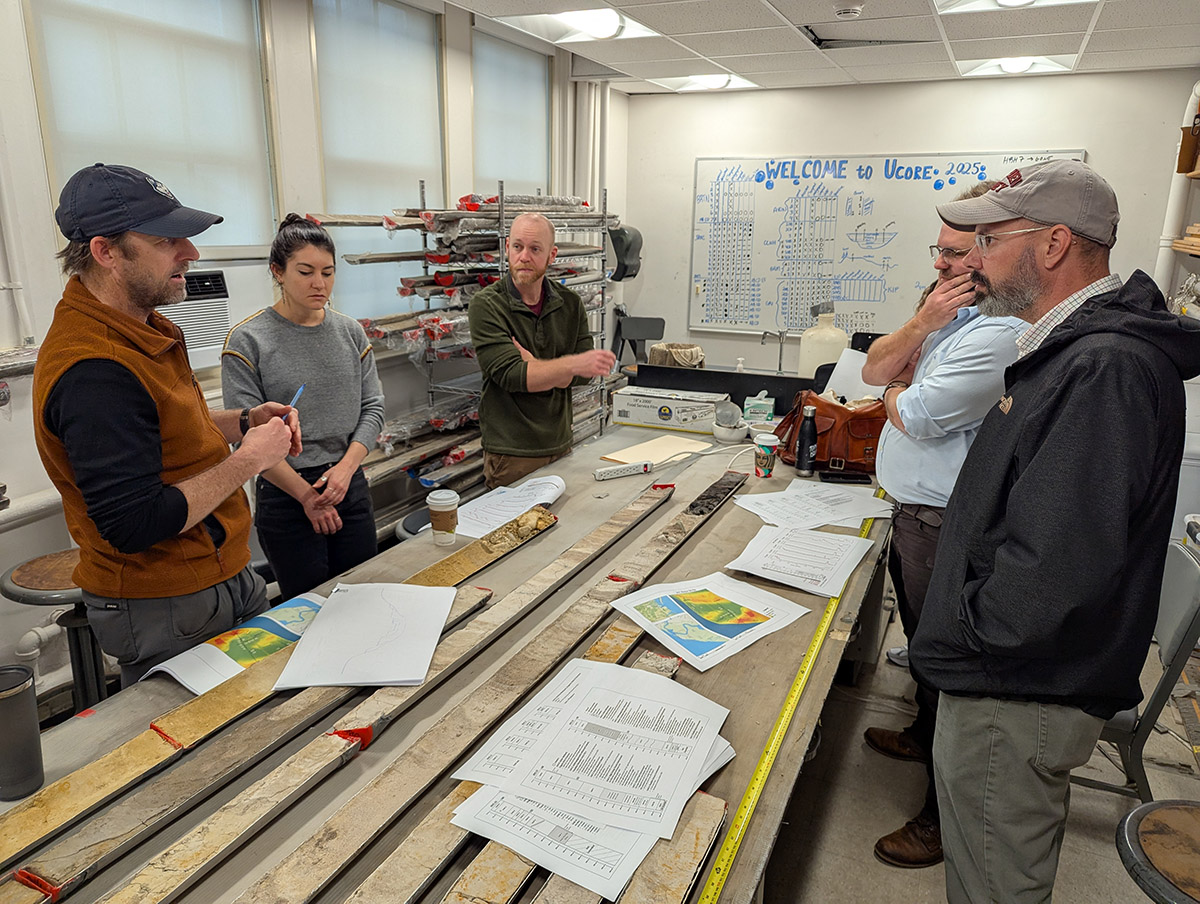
1045 587
151 493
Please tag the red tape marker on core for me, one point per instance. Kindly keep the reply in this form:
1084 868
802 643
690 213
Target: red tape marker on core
37 883
662 486
166 737
364 736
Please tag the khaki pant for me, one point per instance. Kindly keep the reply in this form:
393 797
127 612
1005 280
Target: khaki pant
1003 770
505 470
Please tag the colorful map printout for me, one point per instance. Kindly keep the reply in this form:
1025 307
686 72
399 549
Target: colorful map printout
707 620
219 658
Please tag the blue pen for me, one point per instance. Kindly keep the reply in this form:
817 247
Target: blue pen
296 397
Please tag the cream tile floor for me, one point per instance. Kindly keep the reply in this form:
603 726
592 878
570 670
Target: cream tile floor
849 795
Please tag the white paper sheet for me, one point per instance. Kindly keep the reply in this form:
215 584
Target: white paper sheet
804 504
501 505
706 620
370 635
598 857
846 379
614 745
814 561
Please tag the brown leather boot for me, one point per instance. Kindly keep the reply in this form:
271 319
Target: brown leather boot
899 745
916 844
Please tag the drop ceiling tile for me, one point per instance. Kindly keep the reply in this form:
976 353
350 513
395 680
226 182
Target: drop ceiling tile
809 78
1024 45
928 52
671 69
630 50
903 72
639 87
774 62
1166 58
756 40
1138 13
697 16
811 12
912 28
1043 20
1146 38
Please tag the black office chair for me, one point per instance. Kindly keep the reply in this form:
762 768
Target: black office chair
635 331
821 376
1177 630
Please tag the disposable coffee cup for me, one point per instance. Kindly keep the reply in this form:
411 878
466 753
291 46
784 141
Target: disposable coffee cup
21 752
765 446
443 515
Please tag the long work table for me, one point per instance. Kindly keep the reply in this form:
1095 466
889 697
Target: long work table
333 811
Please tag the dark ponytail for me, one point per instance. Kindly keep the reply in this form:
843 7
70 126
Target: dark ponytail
294 233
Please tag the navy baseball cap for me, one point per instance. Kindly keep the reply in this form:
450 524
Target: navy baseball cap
108 200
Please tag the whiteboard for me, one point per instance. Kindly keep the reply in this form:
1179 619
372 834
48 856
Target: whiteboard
771 237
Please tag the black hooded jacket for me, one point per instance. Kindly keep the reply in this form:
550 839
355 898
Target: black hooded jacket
1050 560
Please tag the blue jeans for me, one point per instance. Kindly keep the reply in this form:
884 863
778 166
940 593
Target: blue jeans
300 557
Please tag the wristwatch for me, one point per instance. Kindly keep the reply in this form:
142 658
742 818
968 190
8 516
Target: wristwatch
244 421
896 384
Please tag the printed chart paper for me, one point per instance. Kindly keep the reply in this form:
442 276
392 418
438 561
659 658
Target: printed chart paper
370 635
501 505
219 658
614 745
595 856
706 620
818 562
806 504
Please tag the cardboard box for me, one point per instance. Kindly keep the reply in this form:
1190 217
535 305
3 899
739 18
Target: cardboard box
670 409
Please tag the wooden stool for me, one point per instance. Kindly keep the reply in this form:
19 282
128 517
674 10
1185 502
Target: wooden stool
47 581
1159 843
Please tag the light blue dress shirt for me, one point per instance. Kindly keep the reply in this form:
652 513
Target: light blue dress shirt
959 377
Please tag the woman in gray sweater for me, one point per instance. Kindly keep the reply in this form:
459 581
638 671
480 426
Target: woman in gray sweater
313 512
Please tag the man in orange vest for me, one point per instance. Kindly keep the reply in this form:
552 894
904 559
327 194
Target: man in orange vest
151 492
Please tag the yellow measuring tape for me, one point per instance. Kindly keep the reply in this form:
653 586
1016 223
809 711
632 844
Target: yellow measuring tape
741 819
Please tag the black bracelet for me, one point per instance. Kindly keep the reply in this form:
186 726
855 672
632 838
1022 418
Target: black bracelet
244 421
900 384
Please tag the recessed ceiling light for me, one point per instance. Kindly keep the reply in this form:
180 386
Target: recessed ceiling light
1015 65
596 23
713 82
1011 4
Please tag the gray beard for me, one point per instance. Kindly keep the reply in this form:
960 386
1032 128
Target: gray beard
1012 297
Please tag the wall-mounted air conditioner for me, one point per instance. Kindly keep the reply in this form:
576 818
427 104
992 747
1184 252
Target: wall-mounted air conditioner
217 300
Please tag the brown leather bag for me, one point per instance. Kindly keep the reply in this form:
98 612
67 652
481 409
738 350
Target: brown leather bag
846 439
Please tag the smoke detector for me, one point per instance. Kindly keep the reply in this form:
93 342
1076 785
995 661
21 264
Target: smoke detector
846 11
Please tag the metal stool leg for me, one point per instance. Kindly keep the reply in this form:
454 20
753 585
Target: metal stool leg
87 663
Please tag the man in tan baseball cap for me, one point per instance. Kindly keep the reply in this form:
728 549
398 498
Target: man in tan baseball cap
1049 565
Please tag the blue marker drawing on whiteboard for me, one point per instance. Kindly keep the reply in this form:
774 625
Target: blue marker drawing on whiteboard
872 238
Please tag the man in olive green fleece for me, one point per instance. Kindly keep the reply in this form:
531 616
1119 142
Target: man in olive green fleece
532 340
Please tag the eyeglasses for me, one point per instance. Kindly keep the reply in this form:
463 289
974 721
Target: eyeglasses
947 254
985 240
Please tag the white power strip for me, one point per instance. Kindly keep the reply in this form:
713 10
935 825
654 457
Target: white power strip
634 467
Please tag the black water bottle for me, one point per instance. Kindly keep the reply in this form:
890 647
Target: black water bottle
806 445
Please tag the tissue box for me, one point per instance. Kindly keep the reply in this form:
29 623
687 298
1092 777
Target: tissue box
758 409
671 409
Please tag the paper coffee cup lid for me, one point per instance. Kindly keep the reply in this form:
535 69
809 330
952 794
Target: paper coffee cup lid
766 439
442 497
